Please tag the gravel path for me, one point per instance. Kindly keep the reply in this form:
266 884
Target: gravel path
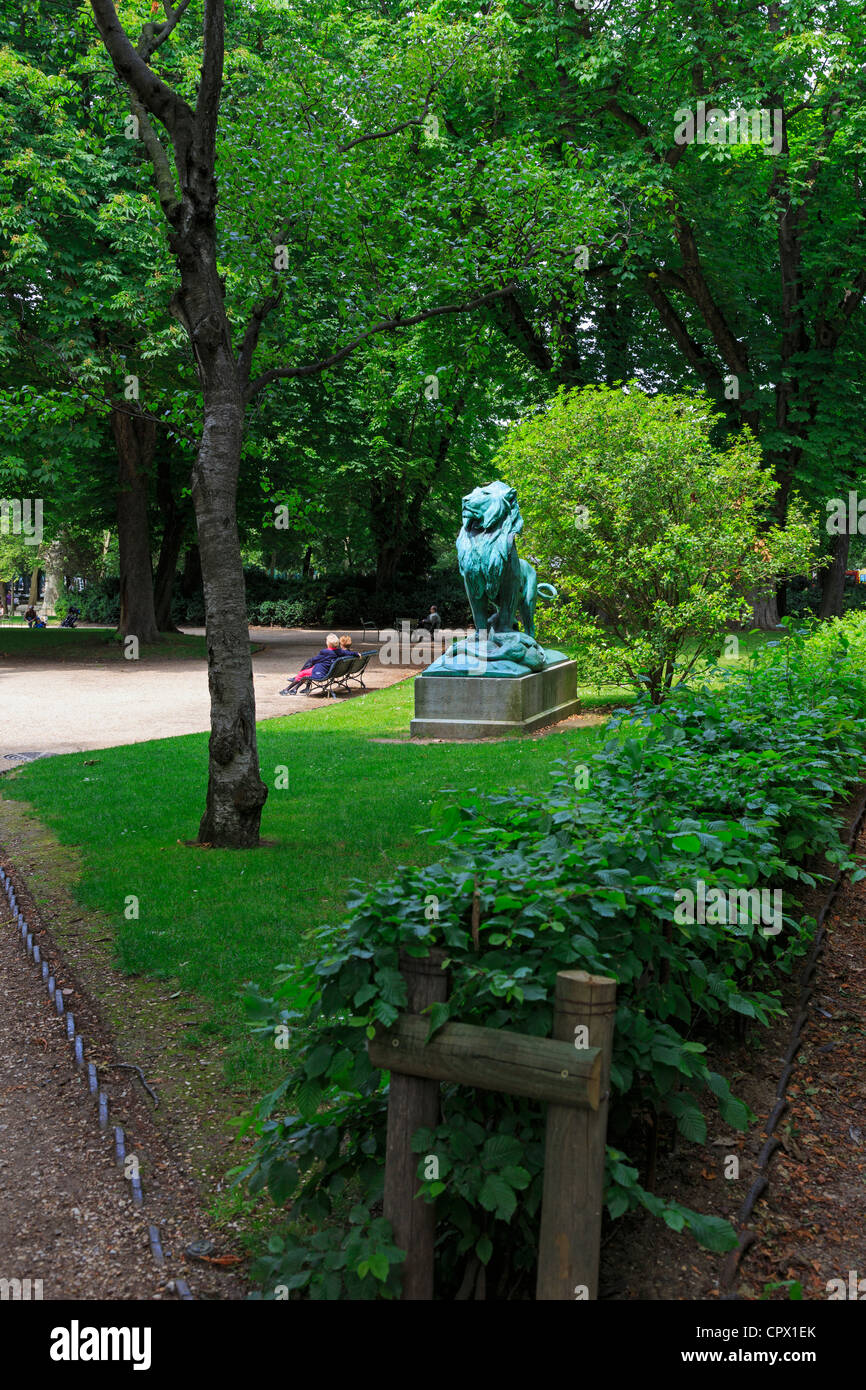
812 1220
66 1212
71 707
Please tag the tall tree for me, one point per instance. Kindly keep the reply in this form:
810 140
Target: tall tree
728 137
84 327
353 166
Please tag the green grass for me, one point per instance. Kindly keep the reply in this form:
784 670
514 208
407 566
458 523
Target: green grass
212 919
89 644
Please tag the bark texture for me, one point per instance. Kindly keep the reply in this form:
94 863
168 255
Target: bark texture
54 584
135 440
833 578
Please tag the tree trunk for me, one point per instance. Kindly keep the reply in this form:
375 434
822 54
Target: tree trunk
236 792
174 529
166 570
106 545
307 565
34 586
53 576
191 582
135 438
833 578
388 556
765 610
387 524
615 334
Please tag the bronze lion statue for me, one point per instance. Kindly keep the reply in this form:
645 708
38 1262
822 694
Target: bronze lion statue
499 585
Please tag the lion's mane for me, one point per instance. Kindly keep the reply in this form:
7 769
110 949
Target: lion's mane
482 555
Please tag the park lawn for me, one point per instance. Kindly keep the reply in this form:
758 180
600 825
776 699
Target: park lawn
209 920
20 643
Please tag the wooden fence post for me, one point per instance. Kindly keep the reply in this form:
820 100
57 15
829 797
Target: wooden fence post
413 1103
568 1250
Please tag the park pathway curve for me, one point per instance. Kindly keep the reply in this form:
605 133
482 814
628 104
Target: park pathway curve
76 705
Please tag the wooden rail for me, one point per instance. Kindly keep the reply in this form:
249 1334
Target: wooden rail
493 1059
570 1072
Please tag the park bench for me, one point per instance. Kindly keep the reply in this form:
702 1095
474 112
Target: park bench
358 667
346 669
336 676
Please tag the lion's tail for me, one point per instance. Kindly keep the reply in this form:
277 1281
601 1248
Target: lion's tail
547 590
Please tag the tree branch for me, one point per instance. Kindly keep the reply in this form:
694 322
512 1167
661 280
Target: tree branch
129 65
829 329
694 354
414 120
516 327
391 130
173 15
386 326
162 171
210 84
734 352
251 337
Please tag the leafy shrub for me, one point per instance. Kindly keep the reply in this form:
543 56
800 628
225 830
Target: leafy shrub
100 602
342 600
632 508
732 785
195 610
278 613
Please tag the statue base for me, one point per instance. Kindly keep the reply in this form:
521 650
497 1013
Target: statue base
470 707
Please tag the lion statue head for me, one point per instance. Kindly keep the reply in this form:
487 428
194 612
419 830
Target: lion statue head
492 508
491 520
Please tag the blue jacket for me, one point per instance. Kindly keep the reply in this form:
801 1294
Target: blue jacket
323 661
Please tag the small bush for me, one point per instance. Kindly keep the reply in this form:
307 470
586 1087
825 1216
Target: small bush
632 508
100 602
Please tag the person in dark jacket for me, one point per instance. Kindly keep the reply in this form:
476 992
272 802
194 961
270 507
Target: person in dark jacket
319 666
346 647
432 622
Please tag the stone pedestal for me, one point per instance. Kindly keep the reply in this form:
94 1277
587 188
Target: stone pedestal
468 707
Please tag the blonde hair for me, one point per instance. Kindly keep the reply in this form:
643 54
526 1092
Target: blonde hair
346 641
332 640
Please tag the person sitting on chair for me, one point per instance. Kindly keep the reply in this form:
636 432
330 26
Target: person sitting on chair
432 621
318 667
346 645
